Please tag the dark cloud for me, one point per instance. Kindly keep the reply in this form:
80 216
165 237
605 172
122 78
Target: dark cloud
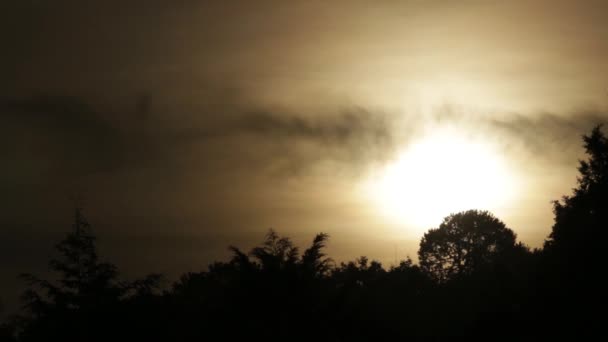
65 137
64 144
353 136
58 136
58 146
550 136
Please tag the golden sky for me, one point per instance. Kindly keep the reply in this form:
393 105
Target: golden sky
191 125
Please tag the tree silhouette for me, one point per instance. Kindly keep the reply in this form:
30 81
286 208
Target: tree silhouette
464 243
276 253
314 261
574 252
82 299
581 218
87 301
84 281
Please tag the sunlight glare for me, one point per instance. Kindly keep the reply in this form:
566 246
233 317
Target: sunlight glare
442 173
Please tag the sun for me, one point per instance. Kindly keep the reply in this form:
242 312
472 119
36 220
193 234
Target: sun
442 173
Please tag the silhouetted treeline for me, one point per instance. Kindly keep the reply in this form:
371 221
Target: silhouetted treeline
473 280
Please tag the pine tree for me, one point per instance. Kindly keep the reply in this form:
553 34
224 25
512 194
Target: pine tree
84 282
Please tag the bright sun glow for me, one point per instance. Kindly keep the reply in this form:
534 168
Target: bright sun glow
441 174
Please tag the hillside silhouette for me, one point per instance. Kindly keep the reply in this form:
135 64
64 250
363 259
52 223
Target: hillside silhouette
473 281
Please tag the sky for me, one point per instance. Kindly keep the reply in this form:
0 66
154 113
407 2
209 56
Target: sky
183 127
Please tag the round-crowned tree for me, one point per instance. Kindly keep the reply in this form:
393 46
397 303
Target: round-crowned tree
463 243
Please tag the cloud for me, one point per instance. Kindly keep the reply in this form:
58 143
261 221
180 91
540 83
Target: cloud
556 137
353 136
56 137
64 135
144 158
549 137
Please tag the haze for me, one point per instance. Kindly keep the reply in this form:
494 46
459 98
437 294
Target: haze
187 126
